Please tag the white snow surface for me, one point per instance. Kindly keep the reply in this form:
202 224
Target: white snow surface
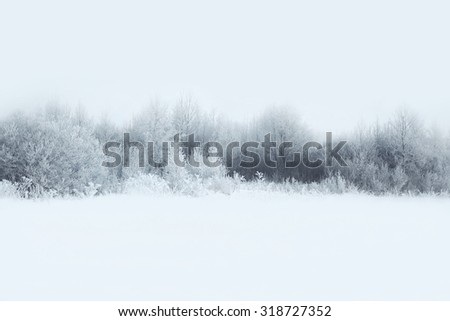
243 246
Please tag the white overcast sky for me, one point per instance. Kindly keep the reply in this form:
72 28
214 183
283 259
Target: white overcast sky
337 62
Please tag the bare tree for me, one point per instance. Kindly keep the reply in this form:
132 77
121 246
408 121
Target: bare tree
185 116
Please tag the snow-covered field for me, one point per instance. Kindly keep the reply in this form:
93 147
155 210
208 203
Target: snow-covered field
244 246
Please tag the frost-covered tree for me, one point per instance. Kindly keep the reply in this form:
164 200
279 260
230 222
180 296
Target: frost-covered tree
185 117
153 126
52 153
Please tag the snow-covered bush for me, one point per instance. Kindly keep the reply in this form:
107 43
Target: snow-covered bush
222 185
146 184
8 190
50 153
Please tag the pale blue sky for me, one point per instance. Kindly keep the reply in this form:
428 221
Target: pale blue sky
337 62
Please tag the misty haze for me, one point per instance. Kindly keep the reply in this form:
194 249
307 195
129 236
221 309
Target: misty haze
326 172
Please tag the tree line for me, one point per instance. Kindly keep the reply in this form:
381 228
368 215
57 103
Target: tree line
60 151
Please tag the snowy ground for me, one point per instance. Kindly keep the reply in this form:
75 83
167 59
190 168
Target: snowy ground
246 246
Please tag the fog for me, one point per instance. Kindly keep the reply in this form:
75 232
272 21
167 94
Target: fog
338 63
